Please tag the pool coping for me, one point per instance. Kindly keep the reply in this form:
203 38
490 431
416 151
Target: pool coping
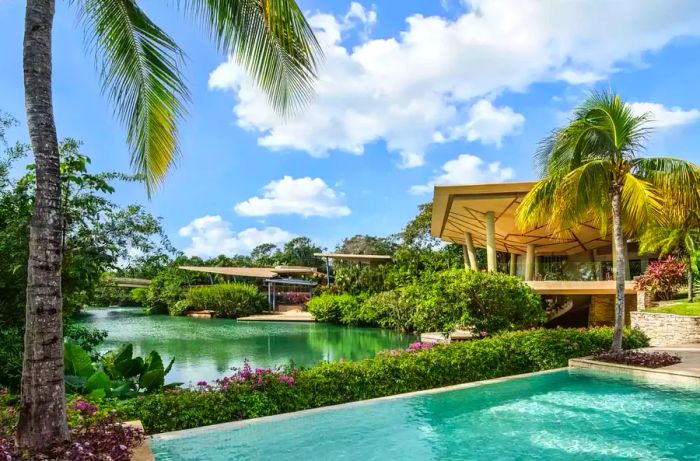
293 414
659 375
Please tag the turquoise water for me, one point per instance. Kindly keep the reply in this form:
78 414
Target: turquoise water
556 416
206 349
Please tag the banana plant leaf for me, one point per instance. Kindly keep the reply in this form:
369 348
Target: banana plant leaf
129 368
152 380
76 361
98 380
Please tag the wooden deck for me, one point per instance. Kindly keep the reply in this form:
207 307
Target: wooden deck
578 287
290 316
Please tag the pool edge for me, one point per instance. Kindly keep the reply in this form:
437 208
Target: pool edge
656 375
283 416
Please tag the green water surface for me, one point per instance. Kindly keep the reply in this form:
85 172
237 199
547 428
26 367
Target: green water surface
206 349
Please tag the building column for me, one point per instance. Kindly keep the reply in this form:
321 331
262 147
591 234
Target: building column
537 268
644 263
465 256
490 241
513 258
530 261
471 253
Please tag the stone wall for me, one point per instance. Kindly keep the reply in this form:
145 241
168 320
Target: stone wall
667 329
602 311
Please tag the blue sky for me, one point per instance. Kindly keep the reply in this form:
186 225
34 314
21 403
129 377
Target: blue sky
410 94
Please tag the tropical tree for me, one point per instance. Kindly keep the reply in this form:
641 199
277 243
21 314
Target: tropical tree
591 169
677 231
140 67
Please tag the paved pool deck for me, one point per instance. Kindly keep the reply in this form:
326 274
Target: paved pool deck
685 373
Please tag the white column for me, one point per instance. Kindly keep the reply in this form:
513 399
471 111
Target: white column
471 253
513 258
530 261
490 241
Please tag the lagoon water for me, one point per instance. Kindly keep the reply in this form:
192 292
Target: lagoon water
556 416
206 349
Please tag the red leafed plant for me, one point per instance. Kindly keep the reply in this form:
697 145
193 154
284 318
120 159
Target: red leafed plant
638 358
663 277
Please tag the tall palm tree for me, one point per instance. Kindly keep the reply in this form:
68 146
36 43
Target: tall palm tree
677 231
141 73
591 169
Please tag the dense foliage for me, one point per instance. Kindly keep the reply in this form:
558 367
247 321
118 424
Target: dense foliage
482 302
440 301
98 234
165 289
663 278
638 358
227 300
386 374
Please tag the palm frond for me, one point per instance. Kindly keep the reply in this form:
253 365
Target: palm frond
271 39
140 71
641 203
584 193
676 180
534 210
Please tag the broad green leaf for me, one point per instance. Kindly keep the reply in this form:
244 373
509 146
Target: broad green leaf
169 367
76 361
125 352
152 380
99 380
123 390
153 362
98 394
74 384
130 368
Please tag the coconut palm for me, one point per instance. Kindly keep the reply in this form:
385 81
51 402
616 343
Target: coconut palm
677 231
140 67
591 169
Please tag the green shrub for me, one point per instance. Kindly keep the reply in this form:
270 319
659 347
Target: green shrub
229 300
179 308
164 290
11 352
489 302
386 374
391 309
343 309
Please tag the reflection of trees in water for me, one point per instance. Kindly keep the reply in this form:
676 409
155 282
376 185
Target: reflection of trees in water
335 343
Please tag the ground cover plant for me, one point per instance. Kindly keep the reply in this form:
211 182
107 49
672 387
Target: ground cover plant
677 308
638 358
253 393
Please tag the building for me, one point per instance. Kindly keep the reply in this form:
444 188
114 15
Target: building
573 268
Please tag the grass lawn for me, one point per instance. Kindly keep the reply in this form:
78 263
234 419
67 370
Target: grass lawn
677 307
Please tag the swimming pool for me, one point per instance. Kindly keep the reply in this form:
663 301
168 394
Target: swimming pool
557 415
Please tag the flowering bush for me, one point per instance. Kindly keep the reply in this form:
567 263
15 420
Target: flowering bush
419 346
96 434
637 358
253 379
663 277
293 297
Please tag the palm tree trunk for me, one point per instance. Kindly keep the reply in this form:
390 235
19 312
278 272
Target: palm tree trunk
42 418
691 288
618 241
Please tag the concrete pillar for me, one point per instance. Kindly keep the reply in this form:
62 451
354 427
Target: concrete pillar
471 253
530 261
513 261
490 241
597 266
537 267
465 256
644 263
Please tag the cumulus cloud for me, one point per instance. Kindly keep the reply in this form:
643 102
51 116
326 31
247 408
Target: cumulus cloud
302 196
416 88
485 123
466 169
211 236
663 117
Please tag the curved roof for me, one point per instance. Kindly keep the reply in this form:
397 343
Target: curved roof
460 209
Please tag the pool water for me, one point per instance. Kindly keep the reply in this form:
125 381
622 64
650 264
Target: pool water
206 349
563 415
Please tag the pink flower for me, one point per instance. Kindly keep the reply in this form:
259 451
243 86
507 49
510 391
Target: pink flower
202 383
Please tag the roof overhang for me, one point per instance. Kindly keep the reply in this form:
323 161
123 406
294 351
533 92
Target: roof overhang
358 258
458 210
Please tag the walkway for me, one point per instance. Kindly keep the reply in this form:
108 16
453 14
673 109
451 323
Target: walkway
289 316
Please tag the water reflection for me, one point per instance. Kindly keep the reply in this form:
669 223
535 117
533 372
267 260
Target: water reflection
208 348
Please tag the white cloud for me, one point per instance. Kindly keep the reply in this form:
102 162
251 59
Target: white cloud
466 169
403 90
485 123
663 117
302 196
212 236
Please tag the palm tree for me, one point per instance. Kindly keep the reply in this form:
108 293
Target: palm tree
141 73
591 169
677 231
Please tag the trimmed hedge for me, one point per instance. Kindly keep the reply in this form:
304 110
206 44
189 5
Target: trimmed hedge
343 309
228 300
386 374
